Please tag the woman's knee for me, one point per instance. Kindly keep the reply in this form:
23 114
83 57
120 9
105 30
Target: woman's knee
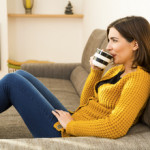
24 74
20 72
10 78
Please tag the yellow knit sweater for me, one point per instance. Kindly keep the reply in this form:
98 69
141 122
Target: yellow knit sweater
112 111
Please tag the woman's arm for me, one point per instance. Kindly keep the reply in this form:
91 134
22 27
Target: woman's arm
117 124
88 90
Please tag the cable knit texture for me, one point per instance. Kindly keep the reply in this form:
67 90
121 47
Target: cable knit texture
114 109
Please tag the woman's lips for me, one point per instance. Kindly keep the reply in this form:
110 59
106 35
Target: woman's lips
113 55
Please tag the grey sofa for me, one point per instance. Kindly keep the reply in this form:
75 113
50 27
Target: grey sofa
66 81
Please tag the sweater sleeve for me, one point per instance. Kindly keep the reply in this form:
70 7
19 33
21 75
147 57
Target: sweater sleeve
133 97
88 90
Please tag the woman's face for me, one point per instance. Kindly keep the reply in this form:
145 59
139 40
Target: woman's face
120 48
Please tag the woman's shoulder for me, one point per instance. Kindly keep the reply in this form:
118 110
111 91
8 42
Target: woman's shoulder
140 77
138 74
141 74
142 71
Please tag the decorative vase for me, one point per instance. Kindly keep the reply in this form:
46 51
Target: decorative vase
28 5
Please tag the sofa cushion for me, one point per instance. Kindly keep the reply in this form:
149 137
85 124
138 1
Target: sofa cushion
12 125
64 91
136 139
145 118
78 78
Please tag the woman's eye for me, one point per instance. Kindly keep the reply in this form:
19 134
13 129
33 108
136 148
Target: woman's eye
115 40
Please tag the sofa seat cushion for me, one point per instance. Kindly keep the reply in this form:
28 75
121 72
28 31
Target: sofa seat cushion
12 125
136 139
64 91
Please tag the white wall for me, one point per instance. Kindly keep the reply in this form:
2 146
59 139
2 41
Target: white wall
53 39
3 37
100 13
59 40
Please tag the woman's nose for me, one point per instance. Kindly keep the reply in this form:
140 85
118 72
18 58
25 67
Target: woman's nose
108 47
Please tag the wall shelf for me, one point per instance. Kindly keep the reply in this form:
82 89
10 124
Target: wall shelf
46 15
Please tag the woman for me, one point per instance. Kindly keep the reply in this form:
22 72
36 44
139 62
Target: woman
109 106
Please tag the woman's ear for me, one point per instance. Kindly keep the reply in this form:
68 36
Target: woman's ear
135 46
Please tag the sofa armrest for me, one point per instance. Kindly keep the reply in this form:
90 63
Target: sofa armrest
50 70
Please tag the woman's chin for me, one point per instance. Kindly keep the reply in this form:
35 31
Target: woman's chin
115 62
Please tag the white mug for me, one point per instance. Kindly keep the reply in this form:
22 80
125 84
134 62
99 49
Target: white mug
101 58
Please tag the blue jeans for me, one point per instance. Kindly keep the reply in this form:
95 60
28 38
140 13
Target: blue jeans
32 100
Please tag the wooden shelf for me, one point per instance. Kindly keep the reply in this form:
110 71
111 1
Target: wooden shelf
46 15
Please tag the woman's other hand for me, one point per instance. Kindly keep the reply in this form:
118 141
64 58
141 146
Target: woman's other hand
63 117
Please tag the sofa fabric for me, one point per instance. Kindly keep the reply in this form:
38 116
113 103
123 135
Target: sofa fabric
78 78
134 141
51 70
12 126
64 91
145 118
66 81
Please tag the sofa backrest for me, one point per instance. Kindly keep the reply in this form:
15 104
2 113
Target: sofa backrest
78 76
97 39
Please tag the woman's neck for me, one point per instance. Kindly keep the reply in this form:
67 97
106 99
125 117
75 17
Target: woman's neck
128 69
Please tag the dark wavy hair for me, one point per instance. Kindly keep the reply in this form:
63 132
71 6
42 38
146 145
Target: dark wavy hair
135 28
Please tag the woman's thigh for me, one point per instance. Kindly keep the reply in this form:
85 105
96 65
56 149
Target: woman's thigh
42 89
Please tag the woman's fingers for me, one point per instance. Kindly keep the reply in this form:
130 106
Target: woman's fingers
56 114
63 117
91 63
59 113
91 59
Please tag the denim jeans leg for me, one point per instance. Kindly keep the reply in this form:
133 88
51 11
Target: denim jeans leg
42 89
35 110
